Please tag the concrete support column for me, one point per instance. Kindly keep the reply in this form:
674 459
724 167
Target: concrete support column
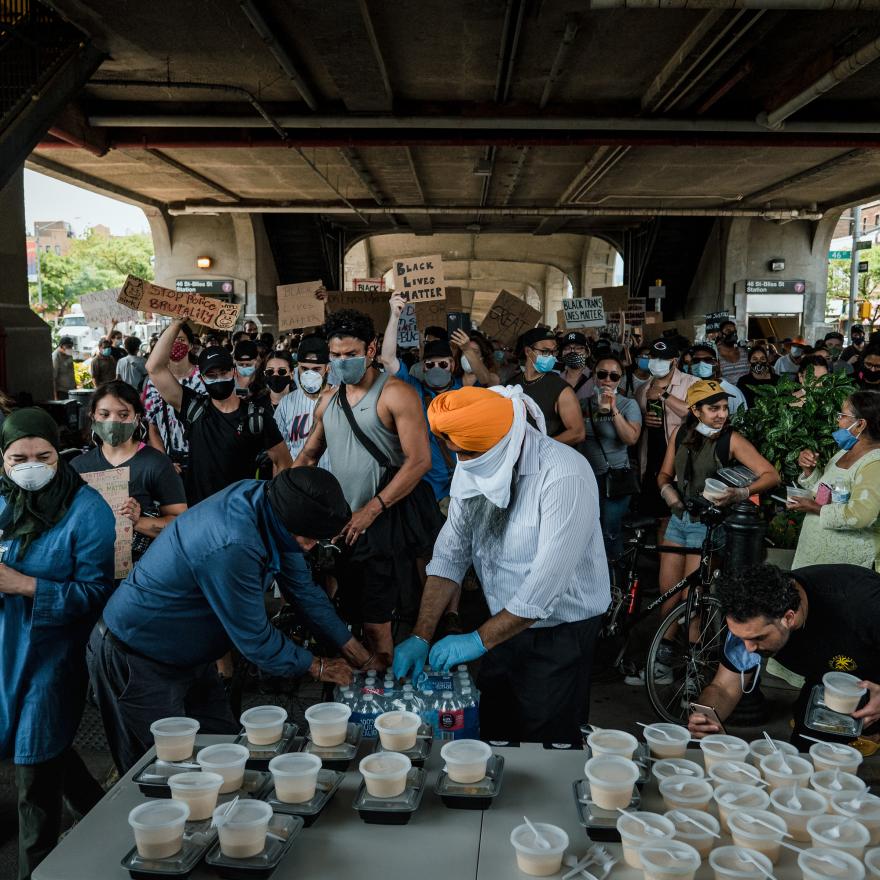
555 290
597 265
28 339
357 263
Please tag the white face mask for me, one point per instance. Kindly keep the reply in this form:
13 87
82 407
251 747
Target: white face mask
466 364
706 430
311 381
659 368
32 475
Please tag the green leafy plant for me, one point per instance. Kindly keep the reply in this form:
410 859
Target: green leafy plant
784 529
780 430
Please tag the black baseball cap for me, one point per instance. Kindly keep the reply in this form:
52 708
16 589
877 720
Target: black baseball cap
539 334
574 338
215 358
313 349
437 348
245 348
664 350
65 341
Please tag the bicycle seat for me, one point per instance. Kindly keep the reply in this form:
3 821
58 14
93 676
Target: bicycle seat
640 522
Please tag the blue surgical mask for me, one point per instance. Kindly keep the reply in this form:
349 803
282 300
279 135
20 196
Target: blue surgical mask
498 357
106 352
702 370
796 351
642 363
544 363
739 657
348 371
246 371
845 438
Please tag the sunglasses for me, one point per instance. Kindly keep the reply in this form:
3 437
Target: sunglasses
444 365
607 374
281 371
705 360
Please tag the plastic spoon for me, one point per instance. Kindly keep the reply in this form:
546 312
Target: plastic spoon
539 838
746 856
773 746
794 801
667 736
683 817
755 779
656 832
841 750
223 818
753 820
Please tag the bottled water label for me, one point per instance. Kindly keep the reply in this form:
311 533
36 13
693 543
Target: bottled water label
450 722
367 722
839 495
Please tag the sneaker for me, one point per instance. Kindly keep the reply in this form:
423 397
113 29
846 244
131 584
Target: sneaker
662 675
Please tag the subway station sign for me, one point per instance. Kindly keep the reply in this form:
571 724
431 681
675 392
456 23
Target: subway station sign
775 285
220 288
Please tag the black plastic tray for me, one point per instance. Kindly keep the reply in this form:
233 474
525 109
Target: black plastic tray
198 838
392 811
328 783
263 864
261 755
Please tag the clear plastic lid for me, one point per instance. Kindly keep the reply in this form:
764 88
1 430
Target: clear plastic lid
524 839
384 765
645 826
156 814
671 858
328 713
195 780
223 755
264 716
295 764
179 726
245 814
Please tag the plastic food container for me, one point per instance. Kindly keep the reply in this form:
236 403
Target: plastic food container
612 742
832 782
328 723
831 756
175 738
611 781
872 862
672 859
397 730
842 692
385 773
714 490
736 796
228 760
536 860
735 771
760 747
829 864
796 806
756 835
839 832
682 792
264 725
243 832
863 807
466 759
198 790
783 771
733 863
676 767
667 740
295 776
158 828
637 829
689 832
722 747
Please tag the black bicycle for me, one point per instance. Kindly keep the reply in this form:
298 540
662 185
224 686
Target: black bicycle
693 631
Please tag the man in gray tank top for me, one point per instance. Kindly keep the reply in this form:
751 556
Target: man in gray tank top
395 517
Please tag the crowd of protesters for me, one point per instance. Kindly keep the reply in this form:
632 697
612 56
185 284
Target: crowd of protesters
512 465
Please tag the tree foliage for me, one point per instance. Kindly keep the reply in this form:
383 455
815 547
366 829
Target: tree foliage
95 262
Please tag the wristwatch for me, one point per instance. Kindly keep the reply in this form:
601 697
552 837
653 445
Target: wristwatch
664 395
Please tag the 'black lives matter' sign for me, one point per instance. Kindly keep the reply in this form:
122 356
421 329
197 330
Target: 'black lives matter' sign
418 279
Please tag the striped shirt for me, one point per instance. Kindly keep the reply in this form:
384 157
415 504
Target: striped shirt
550 563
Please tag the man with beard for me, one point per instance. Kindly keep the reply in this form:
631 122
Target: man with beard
867 369
515 492
813 620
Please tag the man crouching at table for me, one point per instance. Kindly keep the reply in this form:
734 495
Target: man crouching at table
199 588
525 513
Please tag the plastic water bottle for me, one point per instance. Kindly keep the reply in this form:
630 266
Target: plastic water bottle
471 708
450 717
429 709
365 712
408 700
839 494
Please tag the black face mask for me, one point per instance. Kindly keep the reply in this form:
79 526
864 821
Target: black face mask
278 383
220 390
869 377
729 338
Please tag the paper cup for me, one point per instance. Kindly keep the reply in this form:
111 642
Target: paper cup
784 802
198 790
536 860
397 730
865 808
671 860
732 863
243 833
829 864
682 792
758 836
175 738
228 760
667 740
264 724
295 776
842 692
634 834
466 759
158 828
612 742
328 723
611 781
831 756
839 833
385 773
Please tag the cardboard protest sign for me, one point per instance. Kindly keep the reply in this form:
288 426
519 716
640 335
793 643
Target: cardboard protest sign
113 488
102 308
374 284
298 307
370 303
143 296
584 312
560 319
407 329
432 313
635 312
508 318
714 320
419 279
613 298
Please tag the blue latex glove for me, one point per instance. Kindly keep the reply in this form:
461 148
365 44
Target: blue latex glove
453 650
409 658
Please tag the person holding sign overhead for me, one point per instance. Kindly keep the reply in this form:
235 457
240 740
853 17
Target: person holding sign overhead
555 397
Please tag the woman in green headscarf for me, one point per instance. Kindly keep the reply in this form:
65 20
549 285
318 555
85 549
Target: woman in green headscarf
56 573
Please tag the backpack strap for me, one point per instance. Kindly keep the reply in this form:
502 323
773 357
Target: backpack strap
198 406
362 438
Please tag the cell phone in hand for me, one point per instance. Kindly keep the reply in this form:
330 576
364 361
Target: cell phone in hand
458 321
709 712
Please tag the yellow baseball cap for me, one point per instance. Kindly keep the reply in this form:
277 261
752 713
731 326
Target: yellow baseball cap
705 391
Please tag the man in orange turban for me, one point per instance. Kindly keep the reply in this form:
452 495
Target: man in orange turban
525 513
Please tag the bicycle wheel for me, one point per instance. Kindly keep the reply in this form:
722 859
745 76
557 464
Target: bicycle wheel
677 674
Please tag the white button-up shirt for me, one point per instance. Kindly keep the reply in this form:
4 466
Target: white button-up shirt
551 564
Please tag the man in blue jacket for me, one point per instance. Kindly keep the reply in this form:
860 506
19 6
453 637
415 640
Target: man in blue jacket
200 587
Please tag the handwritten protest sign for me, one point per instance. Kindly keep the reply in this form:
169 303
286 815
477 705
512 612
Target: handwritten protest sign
584 312
560 319
143 296
407 329
508 318
298 307
714 320
373 304
113 488
418 279
635 311
102 308
374 284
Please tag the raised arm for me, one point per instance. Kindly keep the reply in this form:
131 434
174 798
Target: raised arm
388 354
157 367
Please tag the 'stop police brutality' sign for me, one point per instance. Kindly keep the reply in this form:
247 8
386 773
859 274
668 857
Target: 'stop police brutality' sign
588 312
